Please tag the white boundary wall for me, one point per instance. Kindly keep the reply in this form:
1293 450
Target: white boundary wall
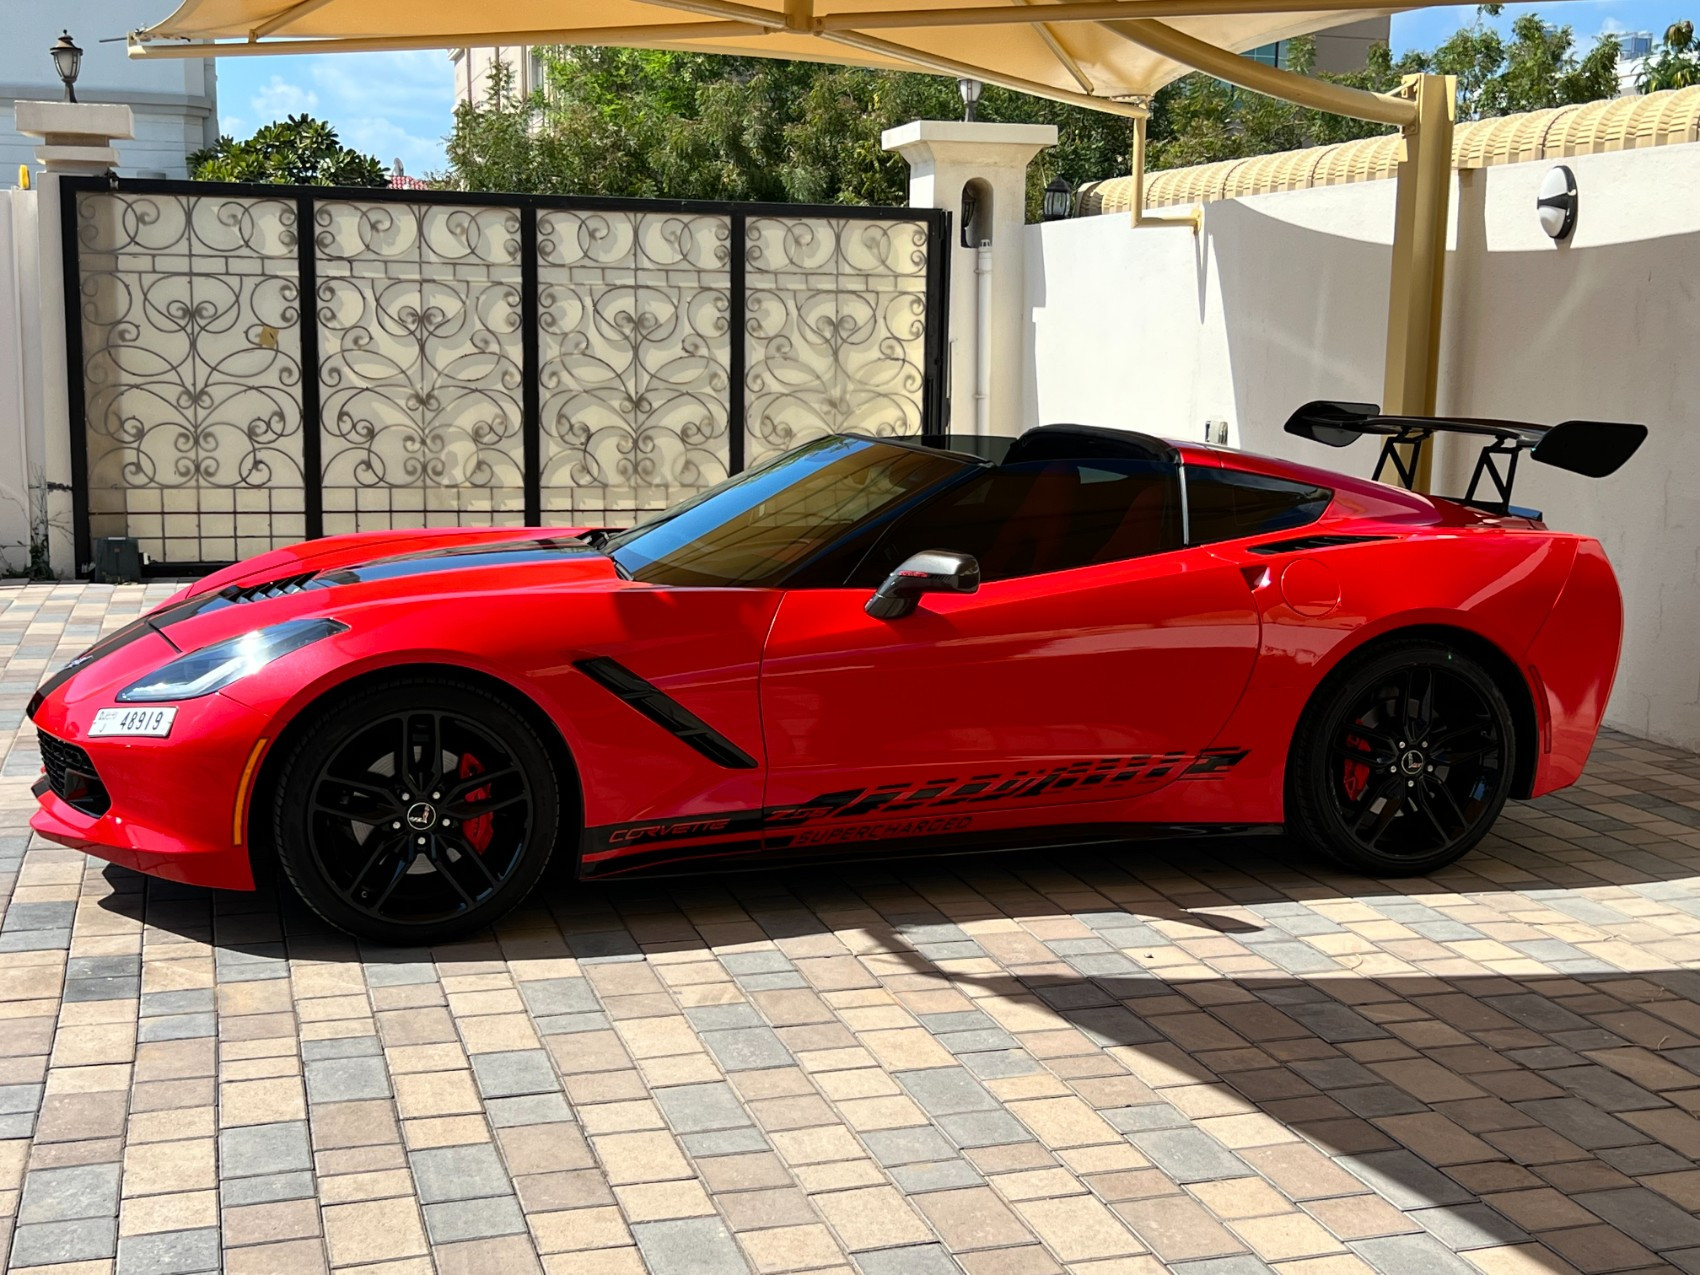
1284 298
20 373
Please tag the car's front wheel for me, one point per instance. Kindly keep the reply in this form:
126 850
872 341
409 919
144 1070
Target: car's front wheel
416 811
1403 761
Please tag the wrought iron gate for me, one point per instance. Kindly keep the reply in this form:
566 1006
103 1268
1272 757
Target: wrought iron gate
449 359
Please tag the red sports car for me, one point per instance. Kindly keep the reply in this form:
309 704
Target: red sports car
865 647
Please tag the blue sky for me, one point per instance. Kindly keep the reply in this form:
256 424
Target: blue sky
391 105
399 105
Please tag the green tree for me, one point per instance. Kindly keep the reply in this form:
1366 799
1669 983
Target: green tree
299 151
687 125
1536 68
694 126
1676 65
1200 120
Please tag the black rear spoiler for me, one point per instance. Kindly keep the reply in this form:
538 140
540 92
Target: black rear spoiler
1591 448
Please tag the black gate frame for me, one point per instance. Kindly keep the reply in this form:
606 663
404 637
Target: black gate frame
935 403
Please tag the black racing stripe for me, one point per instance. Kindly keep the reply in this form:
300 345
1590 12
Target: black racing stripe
755 853
666 712
106 646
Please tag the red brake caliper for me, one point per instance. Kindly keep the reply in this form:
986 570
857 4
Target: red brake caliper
1356 778
477 829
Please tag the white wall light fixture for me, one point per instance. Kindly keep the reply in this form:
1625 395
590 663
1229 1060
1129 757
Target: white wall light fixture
1555 204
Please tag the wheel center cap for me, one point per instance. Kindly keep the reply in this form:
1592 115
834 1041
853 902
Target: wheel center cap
421 815
1411 761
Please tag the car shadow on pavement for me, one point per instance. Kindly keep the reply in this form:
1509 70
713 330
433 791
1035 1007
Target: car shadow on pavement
1483 1048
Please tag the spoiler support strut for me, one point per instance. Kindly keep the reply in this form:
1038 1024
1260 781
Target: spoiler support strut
1593 449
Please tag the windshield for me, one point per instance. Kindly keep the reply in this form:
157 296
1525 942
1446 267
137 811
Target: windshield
755 528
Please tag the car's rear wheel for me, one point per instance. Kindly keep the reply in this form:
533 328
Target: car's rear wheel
1403 761
416 811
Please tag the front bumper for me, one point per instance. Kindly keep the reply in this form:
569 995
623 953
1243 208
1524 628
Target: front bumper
172 804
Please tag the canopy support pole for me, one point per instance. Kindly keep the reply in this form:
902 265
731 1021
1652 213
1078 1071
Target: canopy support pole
1193 220
1418 282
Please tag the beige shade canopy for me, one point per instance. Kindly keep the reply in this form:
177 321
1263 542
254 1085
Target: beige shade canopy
1097 53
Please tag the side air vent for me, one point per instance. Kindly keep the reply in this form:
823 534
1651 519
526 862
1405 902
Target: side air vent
274 588
1301 544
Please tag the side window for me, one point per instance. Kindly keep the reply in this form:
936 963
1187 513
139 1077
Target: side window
1041 516
1226 504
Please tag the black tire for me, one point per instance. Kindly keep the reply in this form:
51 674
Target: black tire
389 842
1402 761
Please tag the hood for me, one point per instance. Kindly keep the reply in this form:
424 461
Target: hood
351 572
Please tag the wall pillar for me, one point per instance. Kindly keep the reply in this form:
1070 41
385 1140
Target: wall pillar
987 310
76 138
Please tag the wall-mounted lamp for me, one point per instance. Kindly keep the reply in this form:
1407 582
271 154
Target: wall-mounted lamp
67 60
1059 199
1555 204
970 90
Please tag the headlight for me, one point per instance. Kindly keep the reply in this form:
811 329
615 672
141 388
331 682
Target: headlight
212 668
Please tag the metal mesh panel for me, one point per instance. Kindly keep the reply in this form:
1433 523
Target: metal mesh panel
191 372
836 329
635 352
419 365
575 362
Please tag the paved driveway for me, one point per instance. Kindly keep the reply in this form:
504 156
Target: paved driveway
1198 1058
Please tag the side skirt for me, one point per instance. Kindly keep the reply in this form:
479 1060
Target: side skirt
742 852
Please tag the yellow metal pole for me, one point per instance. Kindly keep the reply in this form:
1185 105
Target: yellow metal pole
1194 220
1189 50
1417 284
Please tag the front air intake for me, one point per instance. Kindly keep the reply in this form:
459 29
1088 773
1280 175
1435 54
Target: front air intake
72 776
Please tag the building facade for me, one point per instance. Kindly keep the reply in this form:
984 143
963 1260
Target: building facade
175 102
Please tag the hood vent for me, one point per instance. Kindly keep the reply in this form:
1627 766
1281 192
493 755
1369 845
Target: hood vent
274 588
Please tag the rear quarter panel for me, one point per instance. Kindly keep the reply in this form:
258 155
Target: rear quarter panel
1497 584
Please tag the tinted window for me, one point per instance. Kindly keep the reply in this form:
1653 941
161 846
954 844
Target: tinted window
1225 504
1024 519
755 529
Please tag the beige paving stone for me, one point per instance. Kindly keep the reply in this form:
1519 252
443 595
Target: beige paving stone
575 1229
1284 1237
436 1093
184 1211
973 1218
655 1201
373 1231
1065 1122
871 1217
157 1168
640 1157
791 1248
1079 1228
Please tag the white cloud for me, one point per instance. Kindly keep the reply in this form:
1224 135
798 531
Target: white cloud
389 105
279 97
231 125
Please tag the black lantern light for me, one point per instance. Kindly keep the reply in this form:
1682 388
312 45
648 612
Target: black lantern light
970 90
67 60
1059 199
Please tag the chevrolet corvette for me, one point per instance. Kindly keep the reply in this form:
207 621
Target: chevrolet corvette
865 647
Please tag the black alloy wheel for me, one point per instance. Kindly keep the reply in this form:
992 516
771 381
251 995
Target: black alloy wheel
1403 761
416 812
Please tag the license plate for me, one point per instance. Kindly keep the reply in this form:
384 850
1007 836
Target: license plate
153 722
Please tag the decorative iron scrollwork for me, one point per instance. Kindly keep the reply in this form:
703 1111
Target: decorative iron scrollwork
191 311
418 308
836 315
191 372
635 349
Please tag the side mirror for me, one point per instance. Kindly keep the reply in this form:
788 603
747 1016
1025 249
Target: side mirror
931 571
